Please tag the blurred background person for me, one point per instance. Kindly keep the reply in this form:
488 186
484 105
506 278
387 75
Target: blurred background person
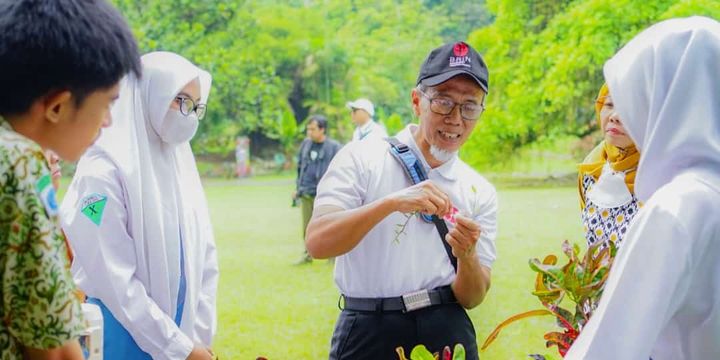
314 156
361 113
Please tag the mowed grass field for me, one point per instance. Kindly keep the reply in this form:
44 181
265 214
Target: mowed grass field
268 307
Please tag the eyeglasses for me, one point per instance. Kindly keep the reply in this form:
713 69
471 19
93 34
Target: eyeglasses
187 106
445 106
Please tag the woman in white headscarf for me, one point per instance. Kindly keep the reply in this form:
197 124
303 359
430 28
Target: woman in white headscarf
137 219
662 298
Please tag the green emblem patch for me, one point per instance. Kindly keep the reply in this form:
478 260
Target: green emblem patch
47 195
93 207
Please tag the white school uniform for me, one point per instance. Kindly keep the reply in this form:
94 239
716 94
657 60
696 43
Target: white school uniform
133 202
662 299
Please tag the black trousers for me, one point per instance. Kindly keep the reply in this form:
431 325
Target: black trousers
374 335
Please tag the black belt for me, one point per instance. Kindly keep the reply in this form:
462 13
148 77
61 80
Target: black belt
408 302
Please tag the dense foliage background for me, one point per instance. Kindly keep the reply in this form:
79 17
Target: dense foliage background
274 63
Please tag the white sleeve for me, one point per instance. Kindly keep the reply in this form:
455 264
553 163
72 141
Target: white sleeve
345 182
487 219
382 131
206 319
106 252
647 282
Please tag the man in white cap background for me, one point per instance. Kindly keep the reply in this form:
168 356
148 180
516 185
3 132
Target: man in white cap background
362 112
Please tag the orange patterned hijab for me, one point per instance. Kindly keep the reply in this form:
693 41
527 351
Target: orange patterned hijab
620 159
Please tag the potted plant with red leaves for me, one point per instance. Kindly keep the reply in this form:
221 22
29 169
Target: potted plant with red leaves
579 283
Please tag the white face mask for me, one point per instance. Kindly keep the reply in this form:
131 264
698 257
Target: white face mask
177 128
610 191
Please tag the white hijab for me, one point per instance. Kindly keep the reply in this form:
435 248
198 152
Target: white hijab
161 181
666 86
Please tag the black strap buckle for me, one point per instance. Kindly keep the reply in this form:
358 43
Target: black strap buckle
401 148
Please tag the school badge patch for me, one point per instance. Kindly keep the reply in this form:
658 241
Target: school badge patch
93 207
46 192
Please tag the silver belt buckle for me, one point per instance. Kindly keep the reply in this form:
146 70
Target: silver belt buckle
416 300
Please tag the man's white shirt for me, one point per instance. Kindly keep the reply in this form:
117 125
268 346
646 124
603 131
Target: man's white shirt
370 130
379 266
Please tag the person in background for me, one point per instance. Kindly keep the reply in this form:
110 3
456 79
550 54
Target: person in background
137 219
606 179
242 157
61 63
662 298
361 113
314 156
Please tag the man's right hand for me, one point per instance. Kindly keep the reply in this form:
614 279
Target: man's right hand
424 197
334 231
200 353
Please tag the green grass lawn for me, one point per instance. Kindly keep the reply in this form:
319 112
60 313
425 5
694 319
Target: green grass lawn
268 307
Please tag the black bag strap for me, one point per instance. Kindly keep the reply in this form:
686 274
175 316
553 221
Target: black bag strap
414 170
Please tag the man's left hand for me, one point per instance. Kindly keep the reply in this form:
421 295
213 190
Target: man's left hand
463 237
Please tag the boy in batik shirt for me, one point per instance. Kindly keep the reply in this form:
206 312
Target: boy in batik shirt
61 62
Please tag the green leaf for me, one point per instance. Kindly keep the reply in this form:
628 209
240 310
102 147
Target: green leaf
549 296
420 352
555 272
458 352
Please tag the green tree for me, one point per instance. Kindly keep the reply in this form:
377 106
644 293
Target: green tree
545 59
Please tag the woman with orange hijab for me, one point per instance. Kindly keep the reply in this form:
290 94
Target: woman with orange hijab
606 178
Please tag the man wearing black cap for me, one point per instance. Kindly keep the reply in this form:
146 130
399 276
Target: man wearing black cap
402 281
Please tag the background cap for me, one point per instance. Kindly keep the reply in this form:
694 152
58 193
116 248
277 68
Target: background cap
363 104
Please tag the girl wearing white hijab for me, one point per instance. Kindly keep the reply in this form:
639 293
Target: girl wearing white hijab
138 223
662 298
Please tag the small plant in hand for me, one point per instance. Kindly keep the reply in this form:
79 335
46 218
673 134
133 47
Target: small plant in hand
420 352
400 228
450 217
580 281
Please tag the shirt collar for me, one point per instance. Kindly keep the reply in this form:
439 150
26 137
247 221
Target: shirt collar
367 127
4 125
446 170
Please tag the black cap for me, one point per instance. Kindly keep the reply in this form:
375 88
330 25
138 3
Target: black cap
451 60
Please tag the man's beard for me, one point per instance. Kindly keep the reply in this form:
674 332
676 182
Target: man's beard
441 155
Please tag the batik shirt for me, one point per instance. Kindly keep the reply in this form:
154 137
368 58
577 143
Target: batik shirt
37 305
606 224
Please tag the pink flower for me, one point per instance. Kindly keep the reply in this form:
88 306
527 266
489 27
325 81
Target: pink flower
451 215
